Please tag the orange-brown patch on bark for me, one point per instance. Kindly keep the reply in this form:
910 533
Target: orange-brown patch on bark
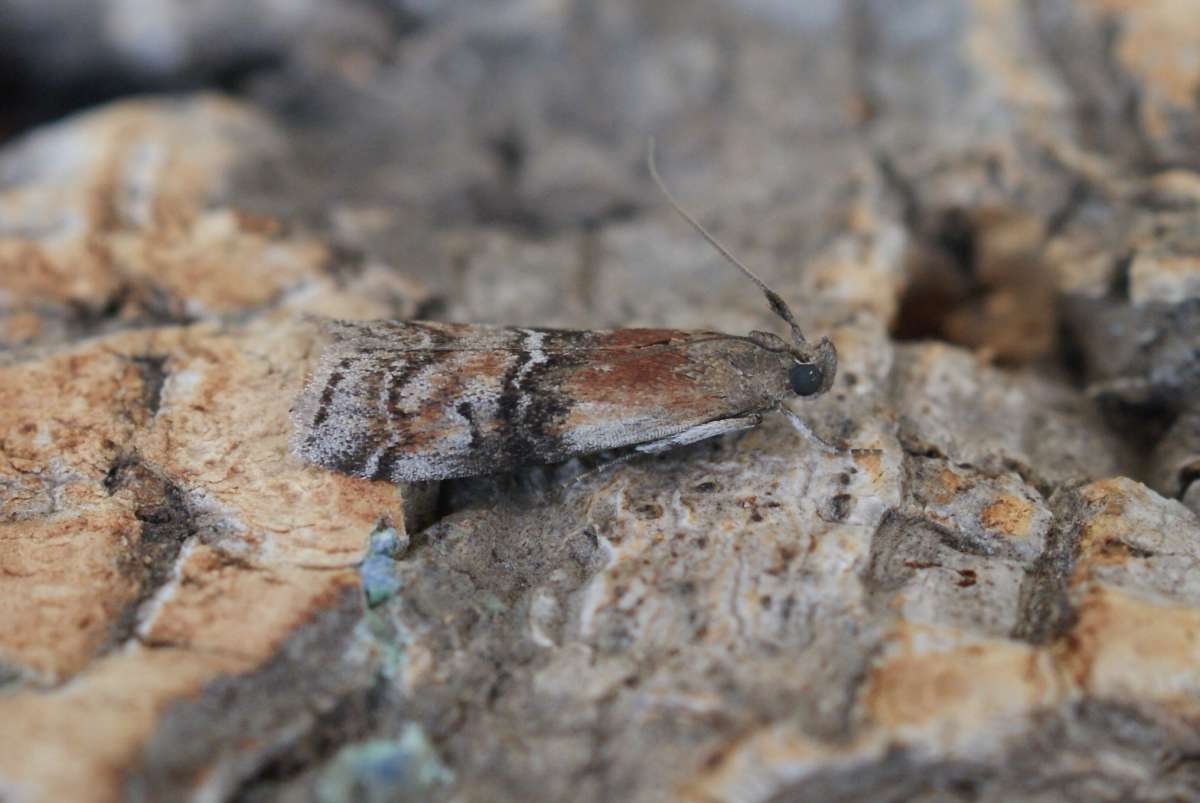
950 485
870 462
1009 514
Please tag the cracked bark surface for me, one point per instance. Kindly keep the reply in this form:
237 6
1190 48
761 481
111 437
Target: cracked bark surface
990 207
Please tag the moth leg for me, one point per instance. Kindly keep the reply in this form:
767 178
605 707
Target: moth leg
817 440
613 463
699 433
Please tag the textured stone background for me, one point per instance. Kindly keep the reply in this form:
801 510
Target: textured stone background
992 207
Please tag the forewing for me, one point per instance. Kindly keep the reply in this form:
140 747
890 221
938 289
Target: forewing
419 401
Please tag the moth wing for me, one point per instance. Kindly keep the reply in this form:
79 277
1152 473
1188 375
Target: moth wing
385 336
421 401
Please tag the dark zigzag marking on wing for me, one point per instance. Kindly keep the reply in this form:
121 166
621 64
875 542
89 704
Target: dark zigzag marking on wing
400 380
327 392
527 437
468 413
512 448
335 378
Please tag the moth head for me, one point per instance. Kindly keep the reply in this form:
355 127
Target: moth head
810 368
813 367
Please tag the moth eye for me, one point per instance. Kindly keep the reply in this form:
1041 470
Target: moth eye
805 379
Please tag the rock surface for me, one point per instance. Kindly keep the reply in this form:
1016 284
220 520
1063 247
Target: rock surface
990 207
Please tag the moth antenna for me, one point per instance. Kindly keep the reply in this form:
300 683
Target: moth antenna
778 305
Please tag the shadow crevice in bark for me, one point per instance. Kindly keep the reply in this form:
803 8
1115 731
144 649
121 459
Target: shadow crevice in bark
166 522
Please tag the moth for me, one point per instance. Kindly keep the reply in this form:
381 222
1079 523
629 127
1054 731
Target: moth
409 401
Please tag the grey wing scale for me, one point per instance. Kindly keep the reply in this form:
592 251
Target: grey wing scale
336 418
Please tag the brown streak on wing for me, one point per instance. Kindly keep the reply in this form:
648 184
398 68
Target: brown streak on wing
639 338
660 386
617 376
